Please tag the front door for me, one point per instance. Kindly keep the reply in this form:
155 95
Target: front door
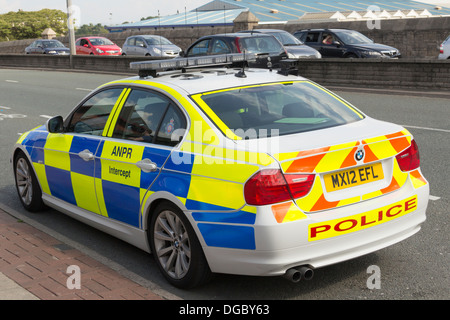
69 156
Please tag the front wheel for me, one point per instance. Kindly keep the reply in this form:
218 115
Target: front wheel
27 186
176 248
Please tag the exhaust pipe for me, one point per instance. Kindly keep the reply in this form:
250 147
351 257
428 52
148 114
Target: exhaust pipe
297 273
306 272
293 275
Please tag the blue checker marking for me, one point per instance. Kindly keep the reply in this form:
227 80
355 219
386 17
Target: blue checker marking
241 217
180 161
83 143
175 183
226 236
37 139
36 154
122 202
60 184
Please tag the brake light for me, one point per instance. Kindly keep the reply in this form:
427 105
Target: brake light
441 49
409 159
271 186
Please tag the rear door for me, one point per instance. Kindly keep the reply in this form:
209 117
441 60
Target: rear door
130 159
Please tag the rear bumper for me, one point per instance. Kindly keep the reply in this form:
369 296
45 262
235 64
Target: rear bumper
286 245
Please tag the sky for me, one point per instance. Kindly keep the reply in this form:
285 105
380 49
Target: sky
107 12
113 12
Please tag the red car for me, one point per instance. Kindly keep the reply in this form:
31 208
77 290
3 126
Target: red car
97 46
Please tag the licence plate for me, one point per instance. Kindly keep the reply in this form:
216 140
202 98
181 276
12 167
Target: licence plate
353 177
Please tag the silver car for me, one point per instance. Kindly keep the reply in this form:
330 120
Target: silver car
295 48
150 45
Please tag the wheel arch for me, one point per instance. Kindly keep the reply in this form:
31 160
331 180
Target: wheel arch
157 198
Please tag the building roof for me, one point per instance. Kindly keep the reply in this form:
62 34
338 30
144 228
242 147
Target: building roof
223 12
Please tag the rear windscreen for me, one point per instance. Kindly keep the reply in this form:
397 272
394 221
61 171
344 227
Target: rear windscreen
281 108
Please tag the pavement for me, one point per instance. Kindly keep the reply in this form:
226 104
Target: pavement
36 266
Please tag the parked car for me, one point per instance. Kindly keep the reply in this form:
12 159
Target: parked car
47 46
264 45
444 50
150 45
294 47
97 46
343 43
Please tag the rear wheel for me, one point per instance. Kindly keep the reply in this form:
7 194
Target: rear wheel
176 248
27 186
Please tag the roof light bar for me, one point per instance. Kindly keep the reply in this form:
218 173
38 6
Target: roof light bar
151 67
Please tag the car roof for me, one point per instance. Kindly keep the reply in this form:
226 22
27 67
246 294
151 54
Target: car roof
234 35
211 79
264 30
324 29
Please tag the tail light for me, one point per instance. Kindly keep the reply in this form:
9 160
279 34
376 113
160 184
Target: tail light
271 186
409 159
441 49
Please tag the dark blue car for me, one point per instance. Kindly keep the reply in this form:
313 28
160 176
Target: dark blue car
44 46
343 43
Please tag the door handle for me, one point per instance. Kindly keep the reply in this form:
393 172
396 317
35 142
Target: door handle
147 165
86 155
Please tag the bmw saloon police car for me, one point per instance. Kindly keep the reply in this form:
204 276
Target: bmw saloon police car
222 170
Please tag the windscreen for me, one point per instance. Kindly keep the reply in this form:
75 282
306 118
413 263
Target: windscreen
284 108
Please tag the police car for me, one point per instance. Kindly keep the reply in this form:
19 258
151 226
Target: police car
219 169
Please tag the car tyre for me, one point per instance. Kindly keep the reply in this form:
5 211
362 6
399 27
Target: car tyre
176 249
27 185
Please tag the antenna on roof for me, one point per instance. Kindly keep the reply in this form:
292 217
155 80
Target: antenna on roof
241 73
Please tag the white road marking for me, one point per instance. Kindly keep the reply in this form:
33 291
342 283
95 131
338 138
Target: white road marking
12 81
45 116
4 108
83 89
425 128
433 198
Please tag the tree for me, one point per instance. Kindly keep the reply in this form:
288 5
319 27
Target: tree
90 29
30 24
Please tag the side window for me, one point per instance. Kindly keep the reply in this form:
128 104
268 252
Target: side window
139 42
200 48
169 130
131 41
91 116
148 117
219 47
312 37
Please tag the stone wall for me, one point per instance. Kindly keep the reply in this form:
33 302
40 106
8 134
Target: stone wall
426 75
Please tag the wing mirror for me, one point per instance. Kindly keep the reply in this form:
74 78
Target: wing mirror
55 124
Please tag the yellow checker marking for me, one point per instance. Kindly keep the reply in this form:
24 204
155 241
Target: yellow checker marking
56 151
42 177
337 227
100 197
203 189
84 189
222 170
119 163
